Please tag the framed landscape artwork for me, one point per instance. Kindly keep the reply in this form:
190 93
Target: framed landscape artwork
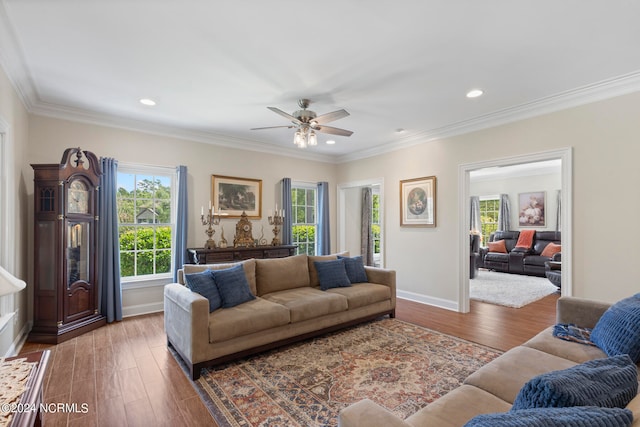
232 196
531 209
418 202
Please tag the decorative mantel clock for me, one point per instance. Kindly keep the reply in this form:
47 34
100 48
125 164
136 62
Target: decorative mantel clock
244 236
65 247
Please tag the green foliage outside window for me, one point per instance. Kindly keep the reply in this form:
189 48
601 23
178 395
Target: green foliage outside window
488 218
303 230
145 231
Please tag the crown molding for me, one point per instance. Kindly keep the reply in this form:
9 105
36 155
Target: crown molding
101 119
609 88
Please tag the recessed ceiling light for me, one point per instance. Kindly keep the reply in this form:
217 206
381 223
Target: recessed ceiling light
148 102
399 130
474 93
330 141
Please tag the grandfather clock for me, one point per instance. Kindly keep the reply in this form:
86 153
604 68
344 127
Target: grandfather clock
65 247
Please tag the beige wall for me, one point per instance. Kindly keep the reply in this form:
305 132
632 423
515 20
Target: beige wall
605 137
49 138
14 119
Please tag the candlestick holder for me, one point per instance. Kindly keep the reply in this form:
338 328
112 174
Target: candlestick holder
210 220
276 221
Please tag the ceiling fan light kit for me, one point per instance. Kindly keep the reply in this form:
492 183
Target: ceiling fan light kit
307 123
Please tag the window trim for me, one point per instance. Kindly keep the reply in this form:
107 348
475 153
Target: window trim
151 280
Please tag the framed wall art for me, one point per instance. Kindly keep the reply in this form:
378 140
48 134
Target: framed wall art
531 209
232 196
418 202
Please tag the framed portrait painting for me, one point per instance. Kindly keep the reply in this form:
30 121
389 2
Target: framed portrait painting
531 209
232 196
418 202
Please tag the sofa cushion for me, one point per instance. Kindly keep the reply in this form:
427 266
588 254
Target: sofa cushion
454 408
618 330
579 353
308 303
363 294
248 318
278 274
332 274
232 285
355 268
507 374
249 266
204 284
610 382
577 416
313 274
498 247
551 249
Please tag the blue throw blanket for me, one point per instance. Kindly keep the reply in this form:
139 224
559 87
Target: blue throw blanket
610 382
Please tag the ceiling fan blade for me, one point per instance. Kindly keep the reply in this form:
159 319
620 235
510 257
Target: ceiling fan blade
274 127
285 115
329 117
332 130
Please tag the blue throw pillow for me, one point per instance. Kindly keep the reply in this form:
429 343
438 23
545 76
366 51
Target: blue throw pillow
577 416
204 284
610 382
618 330
332 274
355 269
233 286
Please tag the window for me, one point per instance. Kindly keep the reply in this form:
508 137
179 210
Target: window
304 226
146 221
375 225
489 208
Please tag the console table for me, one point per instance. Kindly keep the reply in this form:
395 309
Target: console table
221 255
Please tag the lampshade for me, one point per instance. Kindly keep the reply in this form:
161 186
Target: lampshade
10 284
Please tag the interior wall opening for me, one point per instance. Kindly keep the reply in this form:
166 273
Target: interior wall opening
492 178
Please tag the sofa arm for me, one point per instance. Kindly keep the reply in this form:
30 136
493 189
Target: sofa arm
383 276
186 321
579 311
367 414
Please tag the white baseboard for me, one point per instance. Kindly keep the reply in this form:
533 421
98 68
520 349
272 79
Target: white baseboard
140 309
17 344
425 299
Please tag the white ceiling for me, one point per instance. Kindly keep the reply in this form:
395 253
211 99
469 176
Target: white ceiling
214 66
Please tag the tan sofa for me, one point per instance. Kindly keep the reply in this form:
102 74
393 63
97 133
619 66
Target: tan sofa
289 306
494 387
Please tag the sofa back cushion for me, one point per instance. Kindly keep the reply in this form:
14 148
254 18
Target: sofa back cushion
249 266
543 238
510 238
279 274
314 281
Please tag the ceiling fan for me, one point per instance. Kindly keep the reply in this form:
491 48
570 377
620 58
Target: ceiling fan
307 123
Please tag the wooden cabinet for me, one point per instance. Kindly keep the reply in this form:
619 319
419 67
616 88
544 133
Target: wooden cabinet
217 256
65 247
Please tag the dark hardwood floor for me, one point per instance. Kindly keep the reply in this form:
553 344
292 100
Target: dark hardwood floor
126 375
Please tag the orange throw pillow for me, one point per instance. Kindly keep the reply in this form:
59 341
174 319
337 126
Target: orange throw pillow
498 246
551 249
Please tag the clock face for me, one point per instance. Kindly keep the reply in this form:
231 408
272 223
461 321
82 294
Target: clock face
246 227
78 198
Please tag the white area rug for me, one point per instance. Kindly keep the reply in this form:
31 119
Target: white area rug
511 290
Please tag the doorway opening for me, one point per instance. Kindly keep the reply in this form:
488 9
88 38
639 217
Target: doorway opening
350 212
465 170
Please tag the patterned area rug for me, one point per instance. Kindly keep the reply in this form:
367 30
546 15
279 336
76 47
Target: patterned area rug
398 365
510 290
